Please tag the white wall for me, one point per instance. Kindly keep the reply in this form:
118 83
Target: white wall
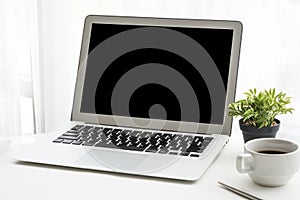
269 54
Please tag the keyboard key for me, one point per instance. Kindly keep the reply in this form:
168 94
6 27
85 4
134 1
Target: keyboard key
177 138
183 145
134 148
167 136
58 140
187 138
145 134
135 133
77 127
77 142
97 128
84 138
73 131
163 151
192 149
173 153
157 135
200 151
106 130
175 148
184 153
197 139
194 155
71 134
87 128
163 143
114 131
208 138
153 147
68 141
151 150
69 137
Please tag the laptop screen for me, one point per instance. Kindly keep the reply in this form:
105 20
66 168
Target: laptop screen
155 72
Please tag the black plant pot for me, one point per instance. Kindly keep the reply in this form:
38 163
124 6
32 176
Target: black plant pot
251 132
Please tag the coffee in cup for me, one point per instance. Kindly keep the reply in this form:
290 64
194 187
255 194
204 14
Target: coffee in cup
269 161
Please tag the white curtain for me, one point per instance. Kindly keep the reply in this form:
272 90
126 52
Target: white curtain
15 63
9 82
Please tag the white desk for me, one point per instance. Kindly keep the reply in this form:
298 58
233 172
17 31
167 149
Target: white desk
36 182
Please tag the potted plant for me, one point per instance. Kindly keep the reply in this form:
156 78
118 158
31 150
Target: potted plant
258 113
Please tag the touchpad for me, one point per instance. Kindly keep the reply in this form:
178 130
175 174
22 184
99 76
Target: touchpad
126 162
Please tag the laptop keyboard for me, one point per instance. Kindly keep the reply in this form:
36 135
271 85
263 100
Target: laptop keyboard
136 140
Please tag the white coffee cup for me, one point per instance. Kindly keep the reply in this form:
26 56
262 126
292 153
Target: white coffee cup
269 161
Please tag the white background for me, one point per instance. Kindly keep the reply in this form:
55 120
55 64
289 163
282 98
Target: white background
270 52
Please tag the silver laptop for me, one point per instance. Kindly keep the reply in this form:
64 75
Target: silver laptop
151 98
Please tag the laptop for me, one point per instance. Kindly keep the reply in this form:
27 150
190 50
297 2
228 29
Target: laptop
151 98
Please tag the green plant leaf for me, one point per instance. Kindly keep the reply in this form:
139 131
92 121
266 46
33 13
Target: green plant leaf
260 108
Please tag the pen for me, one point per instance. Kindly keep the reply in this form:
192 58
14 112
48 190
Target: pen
240 192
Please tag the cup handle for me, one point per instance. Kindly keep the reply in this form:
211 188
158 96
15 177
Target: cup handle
244 163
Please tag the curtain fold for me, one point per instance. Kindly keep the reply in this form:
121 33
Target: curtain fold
16 58
37 65
9 80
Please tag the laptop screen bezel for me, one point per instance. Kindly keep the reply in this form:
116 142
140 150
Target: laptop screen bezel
192 127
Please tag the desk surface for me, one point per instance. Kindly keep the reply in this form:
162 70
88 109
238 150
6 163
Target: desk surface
34 181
